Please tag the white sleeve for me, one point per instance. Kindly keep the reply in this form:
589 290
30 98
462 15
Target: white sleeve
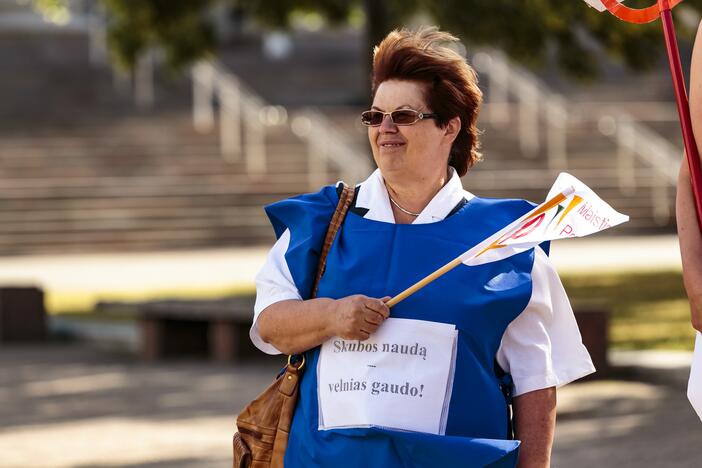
274 283
542 347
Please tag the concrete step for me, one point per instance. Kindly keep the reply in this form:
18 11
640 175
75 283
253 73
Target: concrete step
137 212
130 201
189 182
172 189
114 241
233 220
139 155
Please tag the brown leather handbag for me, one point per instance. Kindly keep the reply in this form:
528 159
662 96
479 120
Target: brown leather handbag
264 424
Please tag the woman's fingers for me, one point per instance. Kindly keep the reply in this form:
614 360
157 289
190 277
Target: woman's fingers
373 317
379 306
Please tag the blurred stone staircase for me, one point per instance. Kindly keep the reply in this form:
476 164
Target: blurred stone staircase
142 184
81 170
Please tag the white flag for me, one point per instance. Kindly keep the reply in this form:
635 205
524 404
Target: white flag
571 209
597 4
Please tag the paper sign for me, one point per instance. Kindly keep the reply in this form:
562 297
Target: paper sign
399 378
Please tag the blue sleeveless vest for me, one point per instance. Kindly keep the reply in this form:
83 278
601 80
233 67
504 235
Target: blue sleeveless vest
381 259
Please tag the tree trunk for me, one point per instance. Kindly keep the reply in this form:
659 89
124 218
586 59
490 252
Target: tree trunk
377 26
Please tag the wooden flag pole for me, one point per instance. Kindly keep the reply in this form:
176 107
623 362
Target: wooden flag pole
423 282
509 229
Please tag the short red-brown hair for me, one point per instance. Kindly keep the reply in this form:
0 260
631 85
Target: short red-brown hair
450 84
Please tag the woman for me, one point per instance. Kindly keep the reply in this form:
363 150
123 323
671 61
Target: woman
409 217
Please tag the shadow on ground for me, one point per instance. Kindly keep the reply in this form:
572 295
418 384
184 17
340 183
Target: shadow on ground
70 405
56 383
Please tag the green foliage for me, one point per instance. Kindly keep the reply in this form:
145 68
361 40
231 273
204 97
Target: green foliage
179 27
648 310
276 14
54 11
528 30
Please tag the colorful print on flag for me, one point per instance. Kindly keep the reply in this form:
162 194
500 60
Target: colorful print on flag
571 209
597 4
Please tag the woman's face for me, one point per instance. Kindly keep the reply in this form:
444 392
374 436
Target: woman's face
417 152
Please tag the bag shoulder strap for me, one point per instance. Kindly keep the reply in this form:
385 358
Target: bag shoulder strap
337 219
297 361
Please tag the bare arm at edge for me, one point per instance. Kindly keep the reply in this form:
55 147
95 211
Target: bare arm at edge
535 424
686 217
690 245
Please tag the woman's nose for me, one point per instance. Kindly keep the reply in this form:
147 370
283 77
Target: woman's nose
387 125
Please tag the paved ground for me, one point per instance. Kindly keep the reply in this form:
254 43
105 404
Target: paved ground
72 406
640 417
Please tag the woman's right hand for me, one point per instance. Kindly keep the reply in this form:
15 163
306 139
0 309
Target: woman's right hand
358 317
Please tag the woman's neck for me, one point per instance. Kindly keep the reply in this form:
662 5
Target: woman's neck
413 196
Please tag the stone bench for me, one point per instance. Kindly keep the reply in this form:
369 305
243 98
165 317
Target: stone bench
216 328
22 314
593 321
219 329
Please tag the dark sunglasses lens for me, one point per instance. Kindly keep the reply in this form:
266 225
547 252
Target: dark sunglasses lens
404 117
371 118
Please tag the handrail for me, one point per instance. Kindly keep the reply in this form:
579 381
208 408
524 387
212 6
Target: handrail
648 145
329 144
246 136
634 140
535 100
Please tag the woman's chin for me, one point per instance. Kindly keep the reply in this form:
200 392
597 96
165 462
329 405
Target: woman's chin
390 160
389 167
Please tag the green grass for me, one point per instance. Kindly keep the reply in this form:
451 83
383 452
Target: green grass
648 310
77 303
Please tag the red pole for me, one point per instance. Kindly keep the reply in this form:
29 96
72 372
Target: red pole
693 157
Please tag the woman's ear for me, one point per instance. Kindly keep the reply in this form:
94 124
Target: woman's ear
452 128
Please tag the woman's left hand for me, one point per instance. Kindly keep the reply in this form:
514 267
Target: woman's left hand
357 317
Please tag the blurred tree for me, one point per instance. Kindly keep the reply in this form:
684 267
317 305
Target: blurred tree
528 30
53 11
179 27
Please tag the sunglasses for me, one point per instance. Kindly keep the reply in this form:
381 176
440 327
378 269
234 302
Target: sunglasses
373 118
